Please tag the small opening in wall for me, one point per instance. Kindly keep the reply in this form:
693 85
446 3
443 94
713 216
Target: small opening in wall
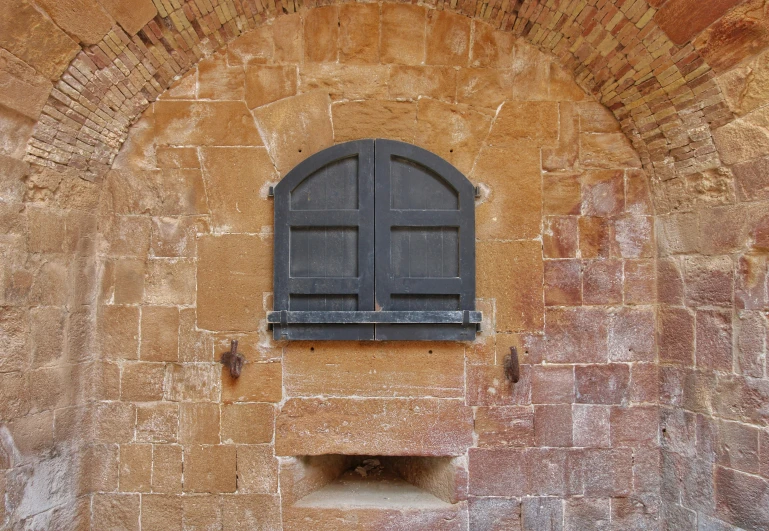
451 151
312 349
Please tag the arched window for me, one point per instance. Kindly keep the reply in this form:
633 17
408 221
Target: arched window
374 239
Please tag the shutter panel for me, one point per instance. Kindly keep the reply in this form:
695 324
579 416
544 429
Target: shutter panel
425 241
324 241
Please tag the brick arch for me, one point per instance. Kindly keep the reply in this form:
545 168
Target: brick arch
664 95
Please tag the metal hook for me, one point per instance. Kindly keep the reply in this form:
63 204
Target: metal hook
512 369
233 360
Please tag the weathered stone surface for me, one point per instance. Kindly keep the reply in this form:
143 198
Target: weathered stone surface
560 237
683 19
321 34
603 193
385 370
157 192
495 514
602 282
268 83
607 150
411 82
259 382
740 34
512 272
448 38
484 87
23 89
32 37
404 26
287 37
247 423
161 513
563 282
396 120
442 518
565 154
15 129
199 423
743 139
294 129
454 132
553 425
159 333
501 427
413 427
157 423
505 174
359 33
752 179
534 122
233 270
254 46
744 87
118 332
257 469
238 180
209 123
709 281
170 281
167 464
714 339
741 499
210 469
676 335
131 17
491 48
115 511
219 81
487 385
576 335
176 236
83 19
591 426
135 467
142 382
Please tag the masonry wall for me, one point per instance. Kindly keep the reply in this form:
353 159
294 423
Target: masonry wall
566 272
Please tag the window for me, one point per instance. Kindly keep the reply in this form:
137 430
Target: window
374 239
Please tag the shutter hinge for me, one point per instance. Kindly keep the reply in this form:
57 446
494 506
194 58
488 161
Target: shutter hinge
477 191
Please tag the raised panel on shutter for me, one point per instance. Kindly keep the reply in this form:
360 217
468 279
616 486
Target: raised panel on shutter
425 241
324 241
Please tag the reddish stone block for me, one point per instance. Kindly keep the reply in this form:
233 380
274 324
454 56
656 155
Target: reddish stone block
602 282
632 335
448 38
550 472
576 335
404 26
633 237
752 339
763 445
640 282
501 427
321 34
250 511
553 425
751 290
738 446
257 469
683 19
709 281
498 472
644 383
603 193
591 428
637 193
594 237
552 384
359 33
636 512
634 426
714 340
562 194
495 514
157 423
167 469
587 513
741 499
752 179
563 282
646 470
604 471
737 35
560 237
488 386
676 335
199 423
247 423
670 281
602 384
542 513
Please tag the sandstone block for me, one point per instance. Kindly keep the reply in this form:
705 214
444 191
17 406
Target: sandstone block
488 386
219 81
741 140
542 513
495 514
238 180
142 382
635 426
576 335
295 128
491 48
403 31
199 423
259 382
564 155
411 82
205 123
267 83
126 235
552 384
131 17
560 237
714 339
157 423
398 369
24 90
345 81
168 157
442 518
743 86
255 46
160 334
413 427
118 332
553 425
202 512
15 129
591 426
135 467
257 470
634 237
602 282
167 467
170 281
321 34
535 122
607 150
484 87
359 33
247 423
501 427
354 120
31 436
287 37
14 395
210 469
594 237
738 446
632 335
602 384
752 179
595 118
233 270
512 273
603 193
161 513
173 237
115 511
129 282
454 132
47 335
193 382
84 19
114 422
448 38
507 174
709 281
563 282
683 19
741 498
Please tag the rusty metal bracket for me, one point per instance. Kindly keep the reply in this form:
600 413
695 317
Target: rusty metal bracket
233 360
512 369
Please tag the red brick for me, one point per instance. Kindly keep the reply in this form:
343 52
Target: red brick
714 340
552 384
602 384
676 335
506 426
602 282
553 425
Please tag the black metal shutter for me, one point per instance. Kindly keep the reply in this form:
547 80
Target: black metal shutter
425 241
324 241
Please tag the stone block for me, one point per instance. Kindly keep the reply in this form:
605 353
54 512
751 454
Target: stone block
232 271
396 120
359 33
126 235
205 123
741 499
591 426
752 179
637 193
30 436
238 180
14 395
636 426
576 335
487 386
157 423
634 237
168 157
632 335
210 469
602 384
453 132
495 514
491 48
114 422
506 426
587 513
535 122
644 383
256 45
709 281
247 423
173 237
564 155
505 175
403 31
142 382
30 35
553 425
512 273
604 472
128 285
607 150
167 468
252 511
563 282
603 193
160 333
131 17
345 82
295 128
15 130
287 37
373 427
219 81
595 118
135 467
170 281
742 140
737 446
46 335
321 34
267 83
118 332
714 340
552 384
259 382
531 69
202 512
636 512
412 82
199 423
115 511
562 194
676 335
751 332
193 382
542 513
24 90
683 19
602 282
448 38
484 87
257 469
161 513
498 472
390 369
560 237
594 237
